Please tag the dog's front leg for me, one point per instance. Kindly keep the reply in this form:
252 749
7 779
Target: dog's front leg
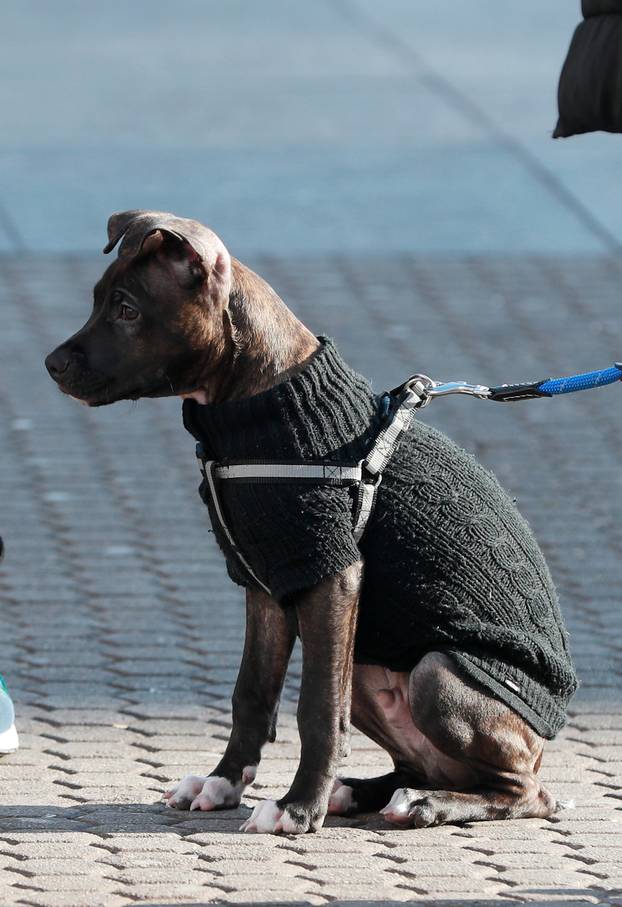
326 624
270 636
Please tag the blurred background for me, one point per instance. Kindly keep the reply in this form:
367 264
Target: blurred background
336 125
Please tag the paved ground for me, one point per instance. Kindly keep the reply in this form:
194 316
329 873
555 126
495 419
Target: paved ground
121 635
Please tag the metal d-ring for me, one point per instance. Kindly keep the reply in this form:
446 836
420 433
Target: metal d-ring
427 386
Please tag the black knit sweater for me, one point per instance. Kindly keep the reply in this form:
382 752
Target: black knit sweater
449 562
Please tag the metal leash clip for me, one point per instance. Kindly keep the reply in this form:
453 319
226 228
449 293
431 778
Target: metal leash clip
428 389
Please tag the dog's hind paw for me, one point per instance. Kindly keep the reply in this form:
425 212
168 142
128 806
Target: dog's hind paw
341 799
204 793
398 807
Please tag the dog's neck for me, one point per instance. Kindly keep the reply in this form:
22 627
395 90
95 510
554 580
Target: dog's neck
264 342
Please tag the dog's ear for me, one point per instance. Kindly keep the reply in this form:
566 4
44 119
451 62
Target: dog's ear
194 253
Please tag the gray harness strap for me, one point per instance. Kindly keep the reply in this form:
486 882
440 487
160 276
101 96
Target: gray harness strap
365 475
324 473
209 469
381 452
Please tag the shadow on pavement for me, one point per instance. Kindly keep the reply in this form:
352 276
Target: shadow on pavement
139 818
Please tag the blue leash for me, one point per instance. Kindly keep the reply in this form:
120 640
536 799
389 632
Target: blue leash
507 393
584 382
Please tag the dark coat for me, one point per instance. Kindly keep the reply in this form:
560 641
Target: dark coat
590 86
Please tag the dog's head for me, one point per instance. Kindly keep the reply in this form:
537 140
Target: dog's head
158 313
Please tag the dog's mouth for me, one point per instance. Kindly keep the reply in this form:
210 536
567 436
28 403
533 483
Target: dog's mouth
92 387
103 393
97 395
93 390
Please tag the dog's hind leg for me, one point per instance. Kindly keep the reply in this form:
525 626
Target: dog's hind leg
525 801
381 711
465 724
365 795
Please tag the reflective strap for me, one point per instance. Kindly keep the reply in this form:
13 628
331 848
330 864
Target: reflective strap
385 443
365 500
381 453
209 470
339 475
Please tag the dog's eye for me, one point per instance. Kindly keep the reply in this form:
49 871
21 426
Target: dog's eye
127 313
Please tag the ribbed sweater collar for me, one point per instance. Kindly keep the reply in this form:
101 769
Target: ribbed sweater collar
326 410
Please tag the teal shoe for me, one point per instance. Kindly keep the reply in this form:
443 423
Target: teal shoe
9 740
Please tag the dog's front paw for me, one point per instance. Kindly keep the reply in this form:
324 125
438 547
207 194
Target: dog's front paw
205 793
182 794
263 819
268 818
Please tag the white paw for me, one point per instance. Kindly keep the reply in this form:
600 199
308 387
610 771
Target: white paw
206 793
248 774
185 791
218 793
341 799
263 819
398 807
268 819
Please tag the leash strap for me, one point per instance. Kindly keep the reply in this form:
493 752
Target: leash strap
508 393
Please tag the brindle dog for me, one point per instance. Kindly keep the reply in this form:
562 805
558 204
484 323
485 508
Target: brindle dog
176 315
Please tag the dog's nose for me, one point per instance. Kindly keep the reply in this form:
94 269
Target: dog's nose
57 362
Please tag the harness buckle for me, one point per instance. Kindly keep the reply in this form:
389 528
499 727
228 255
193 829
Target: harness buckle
421 385
368 477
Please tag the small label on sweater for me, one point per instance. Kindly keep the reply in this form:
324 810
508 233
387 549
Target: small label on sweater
513 686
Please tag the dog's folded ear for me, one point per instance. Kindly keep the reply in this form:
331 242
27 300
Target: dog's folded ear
194 251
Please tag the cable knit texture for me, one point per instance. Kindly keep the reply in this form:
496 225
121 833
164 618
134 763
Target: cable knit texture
449 562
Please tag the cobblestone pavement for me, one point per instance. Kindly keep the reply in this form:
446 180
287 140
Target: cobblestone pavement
121 635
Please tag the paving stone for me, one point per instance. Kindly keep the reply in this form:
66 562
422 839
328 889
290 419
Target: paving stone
597 842
73 885
253 896
566 896
72 899
596 854
161 875
549 877
437 886
9 877
164 892
53 866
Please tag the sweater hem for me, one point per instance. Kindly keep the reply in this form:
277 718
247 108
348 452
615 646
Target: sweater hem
546 729
284 590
